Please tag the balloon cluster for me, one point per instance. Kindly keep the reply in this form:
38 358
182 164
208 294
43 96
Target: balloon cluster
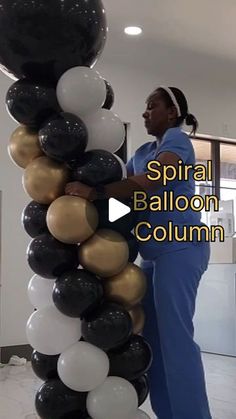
86 329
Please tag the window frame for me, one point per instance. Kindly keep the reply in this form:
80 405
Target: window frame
215 157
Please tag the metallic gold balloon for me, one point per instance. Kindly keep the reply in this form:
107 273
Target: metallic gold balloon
106 253
138 318
128 287
24 146
44 180
71 219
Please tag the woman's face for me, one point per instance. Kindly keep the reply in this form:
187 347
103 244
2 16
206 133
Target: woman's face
157 116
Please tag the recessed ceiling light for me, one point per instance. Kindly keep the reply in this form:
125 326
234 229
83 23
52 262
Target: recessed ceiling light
133 30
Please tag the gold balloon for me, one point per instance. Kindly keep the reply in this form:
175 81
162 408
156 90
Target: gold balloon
138 318
24 146
44 180
128 287
71 219
106 253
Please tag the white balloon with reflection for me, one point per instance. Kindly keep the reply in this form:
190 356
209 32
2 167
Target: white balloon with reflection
83 367
40 291
106 131
81 91
115 398
50 332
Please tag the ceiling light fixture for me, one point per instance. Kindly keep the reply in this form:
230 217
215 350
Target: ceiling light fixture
133 30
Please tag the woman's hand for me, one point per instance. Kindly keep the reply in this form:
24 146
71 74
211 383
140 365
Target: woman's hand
81 190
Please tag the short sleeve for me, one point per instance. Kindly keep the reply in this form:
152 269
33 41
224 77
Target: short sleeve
176 141
130 167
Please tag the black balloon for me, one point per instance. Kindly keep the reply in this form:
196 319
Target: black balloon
64 138
41 40
34 219
131 360
97 167
56 401
44 366
123 226
110 98
107 327
50 258
30 103
77 292
133 246
141 386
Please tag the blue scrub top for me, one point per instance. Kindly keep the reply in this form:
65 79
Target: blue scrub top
175 141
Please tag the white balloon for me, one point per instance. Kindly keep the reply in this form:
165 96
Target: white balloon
105 131
81 91
115 398
141 415
83 367
50 332
123 166
40 291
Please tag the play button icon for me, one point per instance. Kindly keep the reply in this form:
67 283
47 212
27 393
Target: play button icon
117 210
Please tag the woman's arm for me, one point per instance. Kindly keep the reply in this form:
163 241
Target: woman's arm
127 187
124 188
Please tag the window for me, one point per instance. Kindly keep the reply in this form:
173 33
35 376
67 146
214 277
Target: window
202 150
228 166
203 153
228 180
223 156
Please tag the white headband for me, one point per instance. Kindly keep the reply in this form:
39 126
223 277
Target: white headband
173 98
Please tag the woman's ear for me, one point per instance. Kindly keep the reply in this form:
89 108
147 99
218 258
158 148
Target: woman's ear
172 114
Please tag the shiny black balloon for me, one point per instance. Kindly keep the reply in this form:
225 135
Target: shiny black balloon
110 98
44 366
50 258
133 246
123 226
34 219
131 360
56 401
141 386
107 327
30 103
43 39
97 167
77 292
64 137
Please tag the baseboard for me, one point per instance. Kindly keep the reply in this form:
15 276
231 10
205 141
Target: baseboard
23 351
218 354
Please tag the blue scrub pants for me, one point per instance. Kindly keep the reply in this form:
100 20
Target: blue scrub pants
177 382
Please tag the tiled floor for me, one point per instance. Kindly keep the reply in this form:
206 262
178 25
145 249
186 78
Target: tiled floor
18 385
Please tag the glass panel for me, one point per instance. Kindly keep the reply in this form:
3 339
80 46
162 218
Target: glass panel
203 154
228 166
203 190
227 209
202 150
228 184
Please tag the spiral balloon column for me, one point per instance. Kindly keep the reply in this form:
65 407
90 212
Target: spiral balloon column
87 292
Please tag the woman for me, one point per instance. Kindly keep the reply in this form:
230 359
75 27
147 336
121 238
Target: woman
174 269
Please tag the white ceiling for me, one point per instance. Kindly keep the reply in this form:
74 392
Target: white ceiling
191 35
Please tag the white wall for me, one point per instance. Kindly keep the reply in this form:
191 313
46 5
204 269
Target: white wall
213 104
14 271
